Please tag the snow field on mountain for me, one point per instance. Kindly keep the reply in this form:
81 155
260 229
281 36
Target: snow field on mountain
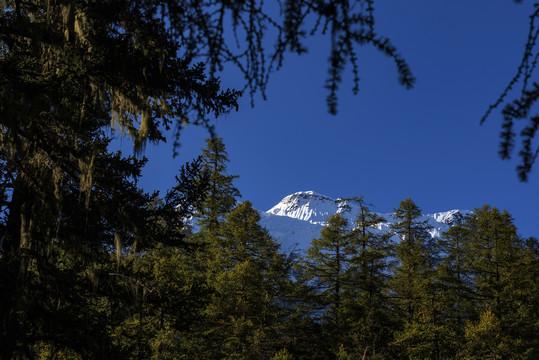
298 218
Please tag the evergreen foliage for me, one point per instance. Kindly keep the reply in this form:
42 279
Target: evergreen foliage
521 108
92 267
411 281
416 296
347 270
371 262
503 286
328 265
249 279
221 195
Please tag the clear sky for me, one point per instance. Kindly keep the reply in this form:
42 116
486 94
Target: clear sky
386 143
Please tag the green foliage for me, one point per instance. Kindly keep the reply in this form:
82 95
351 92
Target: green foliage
68 69
412 278
283 354
485 339
520 108
499 268
425 337
370 329
249 279
93 267
372 250
221 193
347 270
328 264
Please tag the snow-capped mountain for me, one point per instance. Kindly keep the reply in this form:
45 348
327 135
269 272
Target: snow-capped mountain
298 218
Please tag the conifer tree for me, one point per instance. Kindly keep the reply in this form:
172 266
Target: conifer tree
370 264
371 257
327 268
453 282
526 293
493 250
163 286
246 307
221 194
423 335
503 289
64 272
69 69
413 274
485 339
327 263
487 287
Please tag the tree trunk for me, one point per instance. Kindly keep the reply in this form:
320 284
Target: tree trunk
13 264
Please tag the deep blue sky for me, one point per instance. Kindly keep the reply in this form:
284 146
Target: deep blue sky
386 143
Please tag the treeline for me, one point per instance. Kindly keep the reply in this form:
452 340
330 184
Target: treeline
193 275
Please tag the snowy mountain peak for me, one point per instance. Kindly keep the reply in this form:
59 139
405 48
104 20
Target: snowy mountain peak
309 206
299 217
451 217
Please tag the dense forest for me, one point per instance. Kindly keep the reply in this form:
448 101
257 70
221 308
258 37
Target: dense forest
94 267
155 280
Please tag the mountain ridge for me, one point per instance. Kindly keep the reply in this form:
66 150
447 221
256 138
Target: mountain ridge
299 217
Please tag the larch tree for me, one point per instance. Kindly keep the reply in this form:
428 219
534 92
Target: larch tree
328 264
453 280
502 268
246 309
371 263
521 107
221 194
328 270
423 334
412 276
68 70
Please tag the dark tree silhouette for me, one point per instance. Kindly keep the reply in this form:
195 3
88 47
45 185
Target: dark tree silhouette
527 94
255 37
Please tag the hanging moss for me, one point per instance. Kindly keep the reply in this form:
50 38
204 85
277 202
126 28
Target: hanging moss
86 168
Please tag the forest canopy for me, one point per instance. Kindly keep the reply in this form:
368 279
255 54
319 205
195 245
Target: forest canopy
92 266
